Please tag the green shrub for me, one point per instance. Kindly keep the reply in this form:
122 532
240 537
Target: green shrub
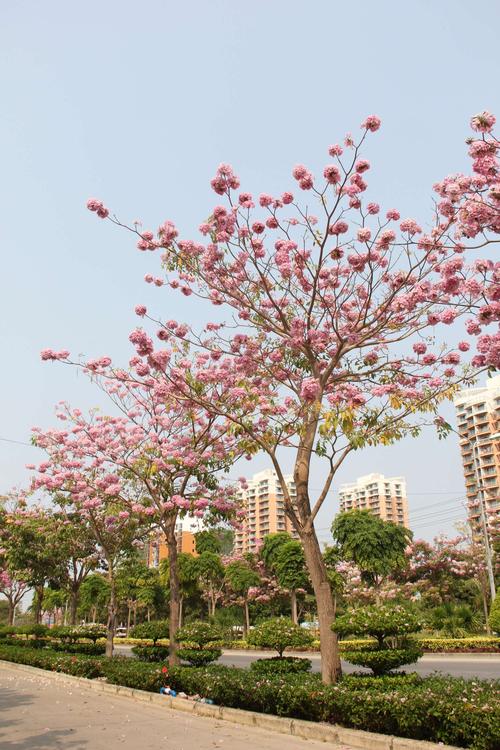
279 634
281 665
7 630
73 633
134 674
454 620
200 643
199 657
494 618
480 644
151 631
390 625
80 666
151 653
381 661
87 649
36 630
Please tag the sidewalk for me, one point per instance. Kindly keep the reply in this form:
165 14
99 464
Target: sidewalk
41 713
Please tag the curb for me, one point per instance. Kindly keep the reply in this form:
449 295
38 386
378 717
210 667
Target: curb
309 730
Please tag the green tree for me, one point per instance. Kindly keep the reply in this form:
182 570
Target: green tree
207 541
376 546
94 596
291 571
211 578
241 578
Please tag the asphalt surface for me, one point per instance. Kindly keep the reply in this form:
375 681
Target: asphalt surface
483 666
43 713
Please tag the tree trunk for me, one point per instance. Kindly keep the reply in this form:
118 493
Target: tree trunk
93 613
293 601
148 614
12 610
128 618
175 595
73 606
247 620
330 660
111 612
38 604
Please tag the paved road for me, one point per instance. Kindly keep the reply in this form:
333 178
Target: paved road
40 713
484 666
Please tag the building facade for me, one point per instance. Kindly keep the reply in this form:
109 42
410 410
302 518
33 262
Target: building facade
478 418
383 496
157 550
265 510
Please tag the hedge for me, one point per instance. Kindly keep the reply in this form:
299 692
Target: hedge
476 644
453 711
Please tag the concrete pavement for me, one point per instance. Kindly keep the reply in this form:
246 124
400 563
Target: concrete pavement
39 713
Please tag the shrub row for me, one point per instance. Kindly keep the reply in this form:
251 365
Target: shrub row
479 644
439 709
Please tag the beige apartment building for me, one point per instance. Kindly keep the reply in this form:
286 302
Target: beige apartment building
265 510
383 496
478 417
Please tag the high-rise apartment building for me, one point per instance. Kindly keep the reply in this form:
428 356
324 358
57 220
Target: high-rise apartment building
478 417
383 496
157 550
265 510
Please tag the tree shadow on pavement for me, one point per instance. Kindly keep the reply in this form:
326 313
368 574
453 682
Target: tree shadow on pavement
51 739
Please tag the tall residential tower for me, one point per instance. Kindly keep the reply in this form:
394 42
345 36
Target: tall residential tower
383 496
478 417
265 510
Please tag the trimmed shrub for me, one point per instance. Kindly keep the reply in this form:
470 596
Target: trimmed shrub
279 634
480 644
199 657
7 630
36 630
390 625
381 661
87 649
200 643
79 666
281 665
150 631
494 618
150 653
134 674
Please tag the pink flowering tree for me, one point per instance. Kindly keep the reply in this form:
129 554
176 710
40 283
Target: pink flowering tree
13 590
170 452
347 325
85 488
434 570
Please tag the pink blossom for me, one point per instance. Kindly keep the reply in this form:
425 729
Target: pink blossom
483 122
371 123
310 389
140 310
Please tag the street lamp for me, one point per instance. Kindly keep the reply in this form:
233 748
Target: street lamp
480 495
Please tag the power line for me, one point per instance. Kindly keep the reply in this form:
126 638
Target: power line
17 442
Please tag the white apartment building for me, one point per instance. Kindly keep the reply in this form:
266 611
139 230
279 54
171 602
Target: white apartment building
383 496
478 417
265 510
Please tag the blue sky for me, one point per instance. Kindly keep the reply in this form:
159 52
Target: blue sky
137 103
